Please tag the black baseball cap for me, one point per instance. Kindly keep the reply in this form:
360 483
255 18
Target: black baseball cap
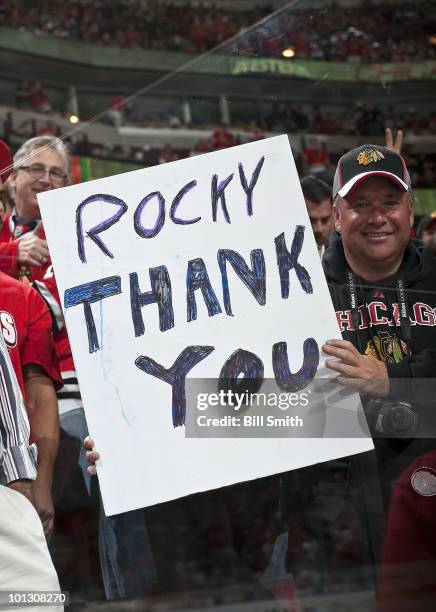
369 160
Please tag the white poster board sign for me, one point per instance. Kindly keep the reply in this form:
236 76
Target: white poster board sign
192 269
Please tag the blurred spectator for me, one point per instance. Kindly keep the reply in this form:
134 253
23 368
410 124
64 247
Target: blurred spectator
316 158
49 127
426 228
167 155
318 197
258 133
371 121
222 138
428 177
23 95
348 126
172 119
202 146
39 98
432 244
407 565
277 120
330 124
317 124
409 122
197 33
391 120
26 128
299 118
116 111
6 200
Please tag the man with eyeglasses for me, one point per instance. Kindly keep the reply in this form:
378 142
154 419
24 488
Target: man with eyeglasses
35 171
41 164
25 324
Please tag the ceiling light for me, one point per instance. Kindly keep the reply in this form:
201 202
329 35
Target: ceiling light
289 52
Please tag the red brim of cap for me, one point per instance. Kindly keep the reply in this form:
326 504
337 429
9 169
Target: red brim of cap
5 161
353 183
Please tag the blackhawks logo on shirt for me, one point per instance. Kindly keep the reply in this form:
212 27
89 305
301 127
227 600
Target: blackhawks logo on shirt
387 348
368 156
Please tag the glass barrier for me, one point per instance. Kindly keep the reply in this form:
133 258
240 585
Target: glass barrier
354 533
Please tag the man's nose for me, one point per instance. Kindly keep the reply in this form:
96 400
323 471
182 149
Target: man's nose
45 177
377 216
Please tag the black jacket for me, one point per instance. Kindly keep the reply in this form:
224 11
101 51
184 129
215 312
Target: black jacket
410 355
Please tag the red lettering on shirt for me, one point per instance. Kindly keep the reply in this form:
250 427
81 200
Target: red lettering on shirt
373 314
8 329
424 314
345 321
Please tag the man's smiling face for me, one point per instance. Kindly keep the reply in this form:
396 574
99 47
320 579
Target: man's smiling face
375 221
27 188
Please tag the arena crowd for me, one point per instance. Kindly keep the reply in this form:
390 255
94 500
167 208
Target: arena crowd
373 32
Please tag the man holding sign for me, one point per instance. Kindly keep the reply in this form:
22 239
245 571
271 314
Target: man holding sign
196 270
383 288
187 272
176 275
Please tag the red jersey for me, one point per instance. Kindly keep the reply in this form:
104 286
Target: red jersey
317 159
222 139
8 257
43 280
408 564
26 326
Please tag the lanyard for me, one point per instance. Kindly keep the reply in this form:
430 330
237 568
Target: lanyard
17 228
405 325
355 317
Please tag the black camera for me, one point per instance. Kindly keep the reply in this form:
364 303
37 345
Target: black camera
387 419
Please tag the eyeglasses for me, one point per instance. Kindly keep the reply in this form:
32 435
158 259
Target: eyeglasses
36 171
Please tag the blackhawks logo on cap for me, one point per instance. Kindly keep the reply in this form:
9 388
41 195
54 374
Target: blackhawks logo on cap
368 156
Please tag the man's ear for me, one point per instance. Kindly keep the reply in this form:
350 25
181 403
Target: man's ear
337 216
12 178
412 209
